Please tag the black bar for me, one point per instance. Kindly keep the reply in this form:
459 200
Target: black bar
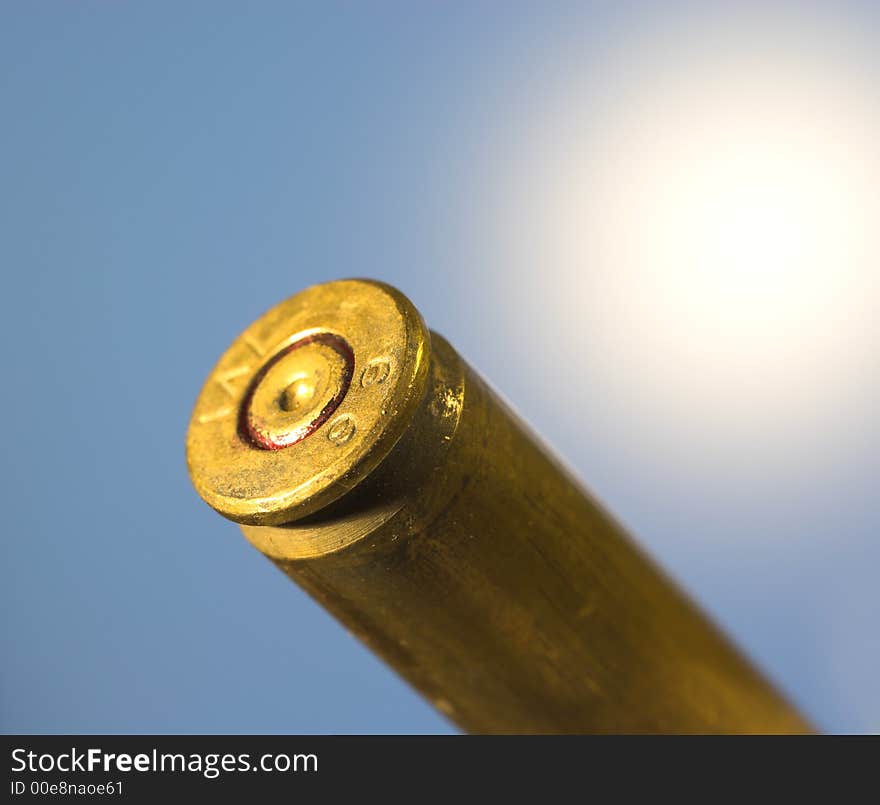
413 769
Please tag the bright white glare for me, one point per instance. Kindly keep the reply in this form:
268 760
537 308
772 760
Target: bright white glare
710 216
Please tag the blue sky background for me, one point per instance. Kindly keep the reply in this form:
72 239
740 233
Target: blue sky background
171 170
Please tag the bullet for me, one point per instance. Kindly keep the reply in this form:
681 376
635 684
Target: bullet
375 468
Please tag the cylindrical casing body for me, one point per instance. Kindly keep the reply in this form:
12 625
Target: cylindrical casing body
474 564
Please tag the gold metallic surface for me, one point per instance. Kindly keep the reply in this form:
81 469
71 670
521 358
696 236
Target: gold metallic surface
283 427
447 538
298 391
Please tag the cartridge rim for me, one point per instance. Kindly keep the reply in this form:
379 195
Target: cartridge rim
307 401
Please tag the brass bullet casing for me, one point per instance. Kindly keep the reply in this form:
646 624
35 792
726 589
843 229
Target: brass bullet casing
372 465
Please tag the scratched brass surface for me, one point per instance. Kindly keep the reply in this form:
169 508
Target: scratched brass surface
306 401
428 519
